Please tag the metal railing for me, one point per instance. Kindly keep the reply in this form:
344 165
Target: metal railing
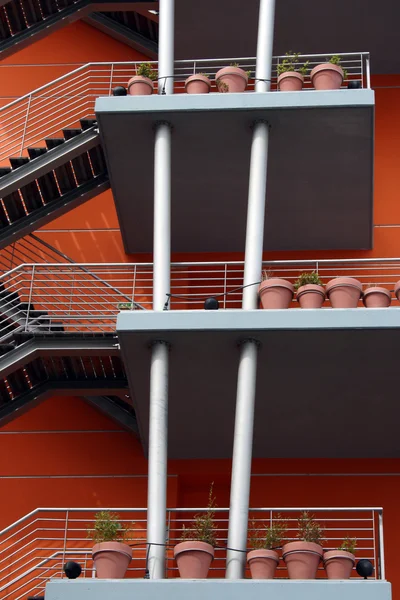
34 549
61 103
88 297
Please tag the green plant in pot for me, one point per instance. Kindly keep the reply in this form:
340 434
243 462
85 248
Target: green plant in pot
274 292
310 290
339 563
111 553
232 79
291 73
142 84
198 83
329 75
303 556
264 559
195 553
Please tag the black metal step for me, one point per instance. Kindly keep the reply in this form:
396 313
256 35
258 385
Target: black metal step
30 192
81 164
64 174
4 171
47 183
87 123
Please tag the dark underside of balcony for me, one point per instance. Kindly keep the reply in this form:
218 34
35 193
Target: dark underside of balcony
328 391
320 168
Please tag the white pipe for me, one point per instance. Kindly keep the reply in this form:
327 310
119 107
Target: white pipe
157 463
166 47
246 385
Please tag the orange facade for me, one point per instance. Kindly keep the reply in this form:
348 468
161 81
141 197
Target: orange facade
65 453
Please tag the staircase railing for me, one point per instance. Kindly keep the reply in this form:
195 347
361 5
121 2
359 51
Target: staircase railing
35 548
59 104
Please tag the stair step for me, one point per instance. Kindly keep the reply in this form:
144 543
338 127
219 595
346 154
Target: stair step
53 142
6 348
18 161
5 171
98 161
15 17
71 133
87 123
36 152
14 207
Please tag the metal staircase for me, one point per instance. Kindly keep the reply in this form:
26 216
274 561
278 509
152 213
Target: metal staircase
25 21
51 180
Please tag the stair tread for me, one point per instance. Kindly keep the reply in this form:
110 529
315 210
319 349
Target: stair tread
54 142
71 133
18 161
35 152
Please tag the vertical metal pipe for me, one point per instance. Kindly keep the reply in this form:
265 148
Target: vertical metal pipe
157 483
158 419
381 547
246 384
166 47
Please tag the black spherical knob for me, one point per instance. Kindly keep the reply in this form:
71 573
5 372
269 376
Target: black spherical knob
119 91
211 304
72 569
354 85
364 568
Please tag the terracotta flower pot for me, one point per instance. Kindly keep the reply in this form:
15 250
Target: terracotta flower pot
111 559
290 82
327 77
339 564
263 563
344 292
302 559
193 559
397 290
311 296
197 84
276 293
140 86
377 297
231 79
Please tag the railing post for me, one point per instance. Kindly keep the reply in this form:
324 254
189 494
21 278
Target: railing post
26 125
367 68
133 284
382 573
225 282
111 78
30 298
65 541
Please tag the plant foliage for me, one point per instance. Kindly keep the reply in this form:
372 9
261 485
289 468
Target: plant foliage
146 70
291 63
270 537
337 60
108 528
203 528
309 529
308 278
348 545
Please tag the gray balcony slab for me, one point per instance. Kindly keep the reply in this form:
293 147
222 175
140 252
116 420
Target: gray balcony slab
216 589
320 168
326 381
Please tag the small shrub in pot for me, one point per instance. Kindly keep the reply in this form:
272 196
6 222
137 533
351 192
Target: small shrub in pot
310 290
339 563
302 557
275 293
291 73
264 559
329 75
232 79
142 83
111 553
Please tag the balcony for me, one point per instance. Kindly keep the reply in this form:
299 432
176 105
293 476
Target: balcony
34 549
313 135
349 356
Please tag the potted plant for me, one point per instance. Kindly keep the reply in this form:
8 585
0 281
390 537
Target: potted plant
125 306
232 79
291 74
274 292
329 75
344 292
142 83
111 556
376 297
198 83
195 553
264 559
339 563
310 290
302 557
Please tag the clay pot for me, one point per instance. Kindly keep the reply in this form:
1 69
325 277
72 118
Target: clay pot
397 290
197 84
140 86
275 293
327 77
231 79
290 82
311 296
302 559
263 563
377 297
193 559
344 292
339 564
111 559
